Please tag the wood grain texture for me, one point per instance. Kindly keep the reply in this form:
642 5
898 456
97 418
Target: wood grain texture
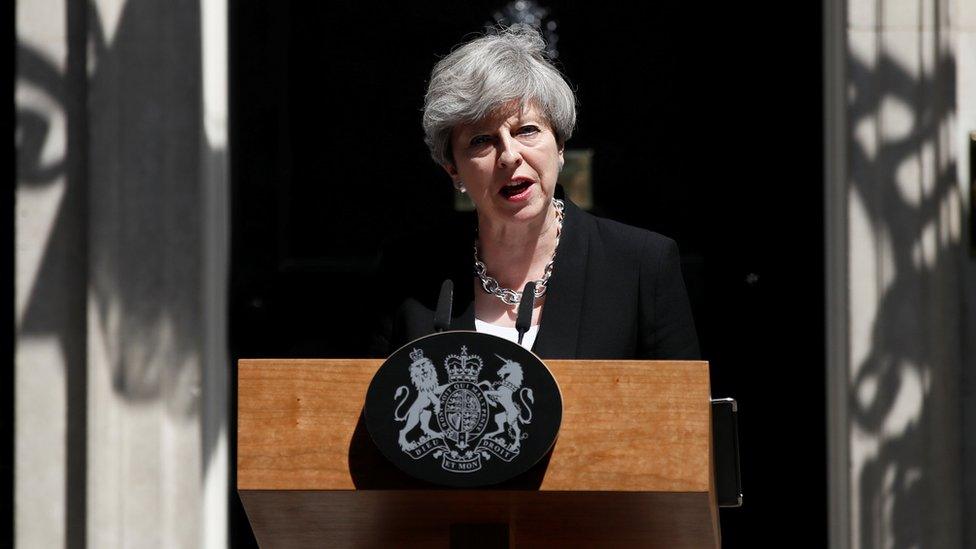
412 518
632 463
627 425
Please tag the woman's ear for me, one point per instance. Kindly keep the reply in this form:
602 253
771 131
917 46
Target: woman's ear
455 177
451 170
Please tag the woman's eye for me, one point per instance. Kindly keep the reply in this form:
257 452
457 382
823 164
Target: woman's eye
479 140
528 130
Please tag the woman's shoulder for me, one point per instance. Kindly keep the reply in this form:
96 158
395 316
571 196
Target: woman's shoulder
622 238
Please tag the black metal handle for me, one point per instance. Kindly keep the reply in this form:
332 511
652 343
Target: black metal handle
725 448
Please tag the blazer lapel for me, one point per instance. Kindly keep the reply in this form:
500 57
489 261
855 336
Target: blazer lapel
559 328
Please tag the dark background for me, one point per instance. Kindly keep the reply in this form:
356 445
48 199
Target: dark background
706 126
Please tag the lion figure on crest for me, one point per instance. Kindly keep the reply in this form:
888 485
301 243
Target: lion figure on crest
423 375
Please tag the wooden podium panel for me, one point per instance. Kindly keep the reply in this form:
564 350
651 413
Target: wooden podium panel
632 464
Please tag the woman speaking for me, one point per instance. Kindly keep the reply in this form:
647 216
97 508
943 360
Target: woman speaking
497 115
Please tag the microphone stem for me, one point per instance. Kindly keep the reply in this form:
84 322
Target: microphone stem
524 320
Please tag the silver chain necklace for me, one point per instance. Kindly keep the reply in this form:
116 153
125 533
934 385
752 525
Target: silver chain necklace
513 297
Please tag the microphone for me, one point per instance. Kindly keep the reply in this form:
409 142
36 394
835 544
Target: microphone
442 317
524 319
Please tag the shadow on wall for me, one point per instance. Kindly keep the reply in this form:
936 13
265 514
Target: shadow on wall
120 280
903 398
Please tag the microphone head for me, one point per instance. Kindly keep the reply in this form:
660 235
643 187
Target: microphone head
524 319
442 316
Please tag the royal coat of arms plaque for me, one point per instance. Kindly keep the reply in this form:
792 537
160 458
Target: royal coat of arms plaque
463 409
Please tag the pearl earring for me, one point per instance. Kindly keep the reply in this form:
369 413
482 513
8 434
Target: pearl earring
459 185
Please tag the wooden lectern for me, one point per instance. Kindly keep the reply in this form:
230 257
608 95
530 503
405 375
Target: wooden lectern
632 465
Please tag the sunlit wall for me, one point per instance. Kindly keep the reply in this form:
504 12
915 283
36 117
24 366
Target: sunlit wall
121 254
899 97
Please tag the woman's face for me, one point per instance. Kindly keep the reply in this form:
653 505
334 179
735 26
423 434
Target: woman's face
508 163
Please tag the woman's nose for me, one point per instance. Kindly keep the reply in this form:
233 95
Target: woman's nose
509 154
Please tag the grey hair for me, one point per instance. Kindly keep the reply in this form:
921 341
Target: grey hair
488 73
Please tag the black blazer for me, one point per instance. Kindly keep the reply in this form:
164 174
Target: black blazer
616 292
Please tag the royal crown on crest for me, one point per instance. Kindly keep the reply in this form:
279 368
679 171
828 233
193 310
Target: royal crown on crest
417 355
463 367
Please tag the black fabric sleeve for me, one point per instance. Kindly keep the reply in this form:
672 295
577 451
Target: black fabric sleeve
667 330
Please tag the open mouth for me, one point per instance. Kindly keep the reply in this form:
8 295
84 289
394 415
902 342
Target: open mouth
516 189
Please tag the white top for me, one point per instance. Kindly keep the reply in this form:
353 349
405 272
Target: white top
510 334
